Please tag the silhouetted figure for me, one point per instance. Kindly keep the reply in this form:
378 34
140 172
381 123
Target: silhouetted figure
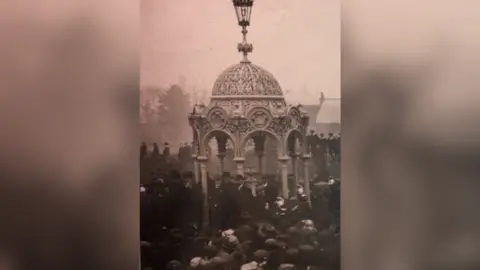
271 191
184 155
143 150
312 140
334 202
166 151
188 151
323 143
181 152
156 150
331 146
336 146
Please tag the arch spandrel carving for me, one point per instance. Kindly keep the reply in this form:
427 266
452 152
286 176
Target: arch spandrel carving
239 126
259 117
280 126
217 117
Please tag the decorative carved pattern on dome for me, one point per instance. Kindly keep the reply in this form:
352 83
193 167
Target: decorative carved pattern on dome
246 79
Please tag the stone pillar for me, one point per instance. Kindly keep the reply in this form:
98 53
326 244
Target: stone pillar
260 162
196 169
221 157
284 173
239 161
294 156
202 160
306 184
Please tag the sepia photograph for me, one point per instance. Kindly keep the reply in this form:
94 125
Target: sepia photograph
240 134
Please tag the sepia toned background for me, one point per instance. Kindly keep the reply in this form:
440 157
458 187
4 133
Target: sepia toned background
410 135
68 142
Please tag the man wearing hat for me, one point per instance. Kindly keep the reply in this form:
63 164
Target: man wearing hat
306 255
291 256
166 151
228 204
174 265
260 256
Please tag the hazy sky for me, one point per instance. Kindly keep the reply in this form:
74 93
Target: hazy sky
297 41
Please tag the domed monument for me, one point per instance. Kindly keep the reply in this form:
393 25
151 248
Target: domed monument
247 103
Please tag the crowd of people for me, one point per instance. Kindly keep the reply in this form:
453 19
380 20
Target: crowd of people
248 228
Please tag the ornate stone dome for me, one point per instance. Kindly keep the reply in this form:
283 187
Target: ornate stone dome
246 79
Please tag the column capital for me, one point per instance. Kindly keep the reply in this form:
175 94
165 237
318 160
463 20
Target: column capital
284 158
295 155
239 159
306 156
221 154
194 156
202 158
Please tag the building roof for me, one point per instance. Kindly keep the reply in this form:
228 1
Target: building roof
312 111
246 79
330 111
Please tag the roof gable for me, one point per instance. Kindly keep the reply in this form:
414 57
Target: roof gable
330 111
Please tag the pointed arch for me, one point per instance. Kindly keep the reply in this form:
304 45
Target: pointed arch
212 133
267 133
295 133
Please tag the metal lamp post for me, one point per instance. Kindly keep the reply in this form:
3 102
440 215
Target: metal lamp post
243 9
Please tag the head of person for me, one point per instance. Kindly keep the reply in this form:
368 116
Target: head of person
174 265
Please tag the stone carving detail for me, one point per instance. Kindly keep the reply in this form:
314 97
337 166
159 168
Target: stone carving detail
249 104
246 79
237 111
296 118
280 111
280 126
199 109
259 119
238 126
246 99
203 125
217 119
